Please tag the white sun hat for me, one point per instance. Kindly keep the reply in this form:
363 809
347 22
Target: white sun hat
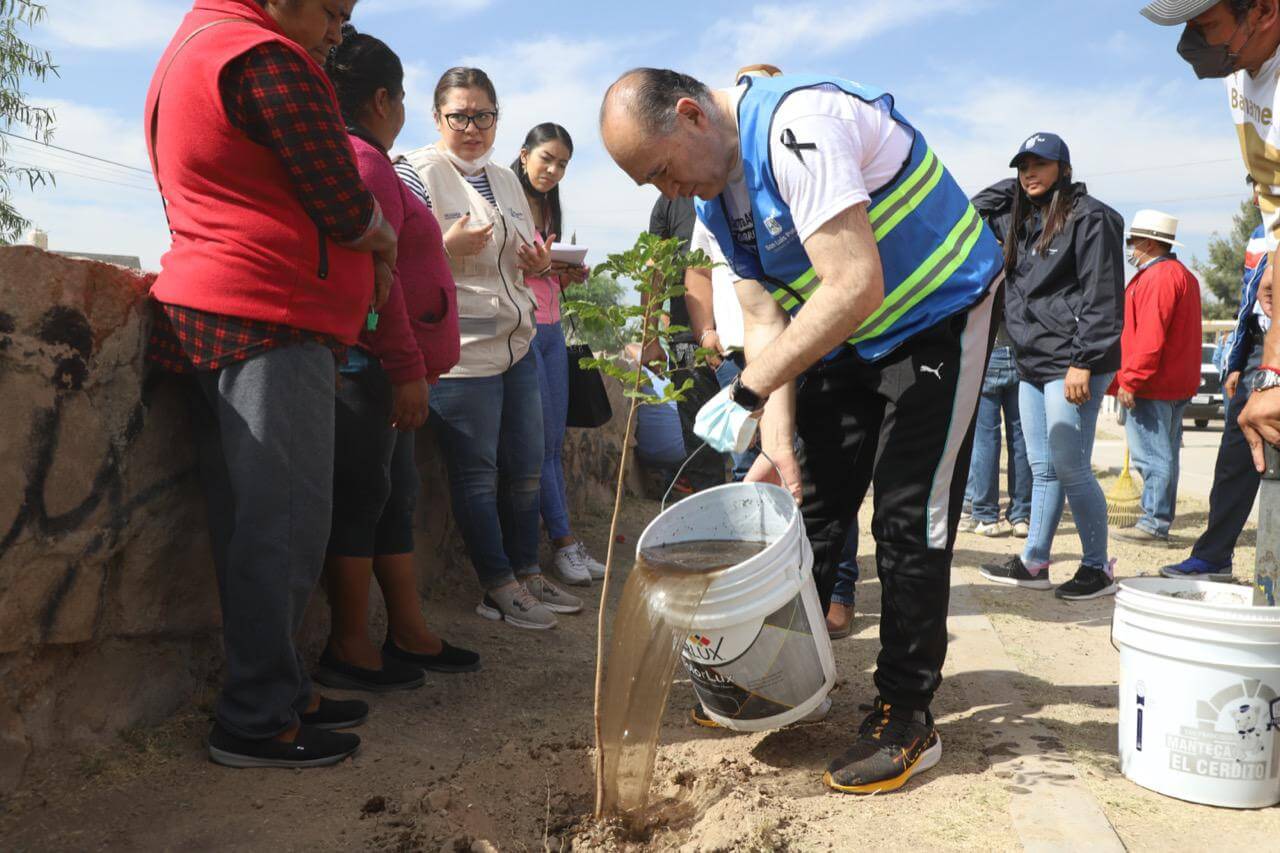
1172 13
1154 225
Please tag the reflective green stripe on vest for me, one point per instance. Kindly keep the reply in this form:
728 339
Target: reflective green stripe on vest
925 279
884 217
897 205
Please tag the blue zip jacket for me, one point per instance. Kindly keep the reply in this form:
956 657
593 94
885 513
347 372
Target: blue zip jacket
1237 345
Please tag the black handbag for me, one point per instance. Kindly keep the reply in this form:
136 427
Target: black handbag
589 405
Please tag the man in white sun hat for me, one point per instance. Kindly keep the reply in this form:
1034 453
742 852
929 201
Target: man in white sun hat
1239 41
1159 367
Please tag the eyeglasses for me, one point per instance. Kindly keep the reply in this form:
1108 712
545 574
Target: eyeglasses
461 121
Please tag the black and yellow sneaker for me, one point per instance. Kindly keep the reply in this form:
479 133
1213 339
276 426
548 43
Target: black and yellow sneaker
892 746
700 718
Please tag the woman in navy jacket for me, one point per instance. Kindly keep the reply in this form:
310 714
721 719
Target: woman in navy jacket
1064 310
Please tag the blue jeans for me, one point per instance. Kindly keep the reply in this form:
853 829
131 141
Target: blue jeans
725 374
847 568
1154 428
553 382
999 394
490 432
1059 446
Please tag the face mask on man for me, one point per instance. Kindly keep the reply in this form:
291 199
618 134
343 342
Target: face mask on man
1134 257
1209 60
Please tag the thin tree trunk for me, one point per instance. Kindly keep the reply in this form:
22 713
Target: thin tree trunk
613 539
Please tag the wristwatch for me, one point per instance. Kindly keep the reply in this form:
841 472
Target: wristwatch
1265 379
750 400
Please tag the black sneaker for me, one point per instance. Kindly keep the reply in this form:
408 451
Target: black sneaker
893 745
394 675
1015 573
311 748
336 714
1088 583
448 659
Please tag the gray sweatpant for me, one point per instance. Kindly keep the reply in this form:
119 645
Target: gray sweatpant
264 432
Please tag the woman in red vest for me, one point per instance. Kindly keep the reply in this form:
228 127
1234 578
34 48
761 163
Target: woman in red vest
276 249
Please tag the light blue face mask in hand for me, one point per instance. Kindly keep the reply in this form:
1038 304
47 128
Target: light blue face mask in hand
724 425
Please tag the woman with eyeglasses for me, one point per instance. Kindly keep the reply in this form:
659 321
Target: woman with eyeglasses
487 411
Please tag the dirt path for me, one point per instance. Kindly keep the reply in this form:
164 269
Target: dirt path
502 757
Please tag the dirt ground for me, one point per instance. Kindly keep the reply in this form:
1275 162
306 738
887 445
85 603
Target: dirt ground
501 759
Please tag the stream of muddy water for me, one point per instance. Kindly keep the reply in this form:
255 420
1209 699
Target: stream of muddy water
650 627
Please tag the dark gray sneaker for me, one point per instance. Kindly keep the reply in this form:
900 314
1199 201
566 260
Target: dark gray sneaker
1016 573
1088 583
1141 535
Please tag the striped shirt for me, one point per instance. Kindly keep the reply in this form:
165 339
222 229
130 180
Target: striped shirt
408 174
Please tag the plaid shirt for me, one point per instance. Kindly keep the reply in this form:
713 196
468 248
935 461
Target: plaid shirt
184 340
273 96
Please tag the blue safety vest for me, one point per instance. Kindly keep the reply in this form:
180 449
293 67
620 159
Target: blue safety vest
938 256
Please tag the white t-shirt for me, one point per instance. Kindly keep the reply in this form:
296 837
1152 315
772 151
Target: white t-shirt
724 299
1255 109
859 149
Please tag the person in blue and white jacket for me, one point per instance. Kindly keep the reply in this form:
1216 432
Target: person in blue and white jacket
1235 479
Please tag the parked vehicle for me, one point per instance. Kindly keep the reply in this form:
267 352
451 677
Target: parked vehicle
1206 405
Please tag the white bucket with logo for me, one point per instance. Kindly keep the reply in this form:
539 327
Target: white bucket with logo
1199 691
758 650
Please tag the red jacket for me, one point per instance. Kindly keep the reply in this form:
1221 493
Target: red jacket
417 331
1160 345
241 242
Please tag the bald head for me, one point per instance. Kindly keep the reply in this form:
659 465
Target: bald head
648 97
667 128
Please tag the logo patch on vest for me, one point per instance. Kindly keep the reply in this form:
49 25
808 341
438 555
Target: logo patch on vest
773 226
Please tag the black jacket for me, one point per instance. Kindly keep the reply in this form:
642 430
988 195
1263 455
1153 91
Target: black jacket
1064 308
675 218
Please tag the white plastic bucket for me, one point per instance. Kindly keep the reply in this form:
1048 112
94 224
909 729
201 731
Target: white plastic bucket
1199 692
758 650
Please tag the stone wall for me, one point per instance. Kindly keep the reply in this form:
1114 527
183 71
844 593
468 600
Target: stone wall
108 609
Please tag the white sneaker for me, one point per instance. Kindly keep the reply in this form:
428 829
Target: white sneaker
1021 529
993 529
594 567
571 567
967 524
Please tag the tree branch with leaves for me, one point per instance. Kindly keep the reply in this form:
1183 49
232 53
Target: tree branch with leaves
20 62
657 267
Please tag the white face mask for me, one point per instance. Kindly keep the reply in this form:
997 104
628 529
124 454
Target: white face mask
1135 260
725 425
468 167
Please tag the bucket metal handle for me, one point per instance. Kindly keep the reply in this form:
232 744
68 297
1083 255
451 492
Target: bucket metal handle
781 476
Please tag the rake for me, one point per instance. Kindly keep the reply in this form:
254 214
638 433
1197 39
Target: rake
1124 499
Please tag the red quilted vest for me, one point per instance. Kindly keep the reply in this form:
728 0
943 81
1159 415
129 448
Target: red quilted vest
242 244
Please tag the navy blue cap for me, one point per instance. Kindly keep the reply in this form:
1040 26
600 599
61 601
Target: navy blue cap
1047 145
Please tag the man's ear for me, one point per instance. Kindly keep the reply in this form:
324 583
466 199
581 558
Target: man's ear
690 109
1265 13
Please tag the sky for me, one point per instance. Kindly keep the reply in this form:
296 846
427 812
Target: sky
975 77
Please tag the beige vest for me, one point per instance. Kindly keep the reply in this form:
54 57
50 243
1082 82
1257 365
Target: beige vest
495 308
